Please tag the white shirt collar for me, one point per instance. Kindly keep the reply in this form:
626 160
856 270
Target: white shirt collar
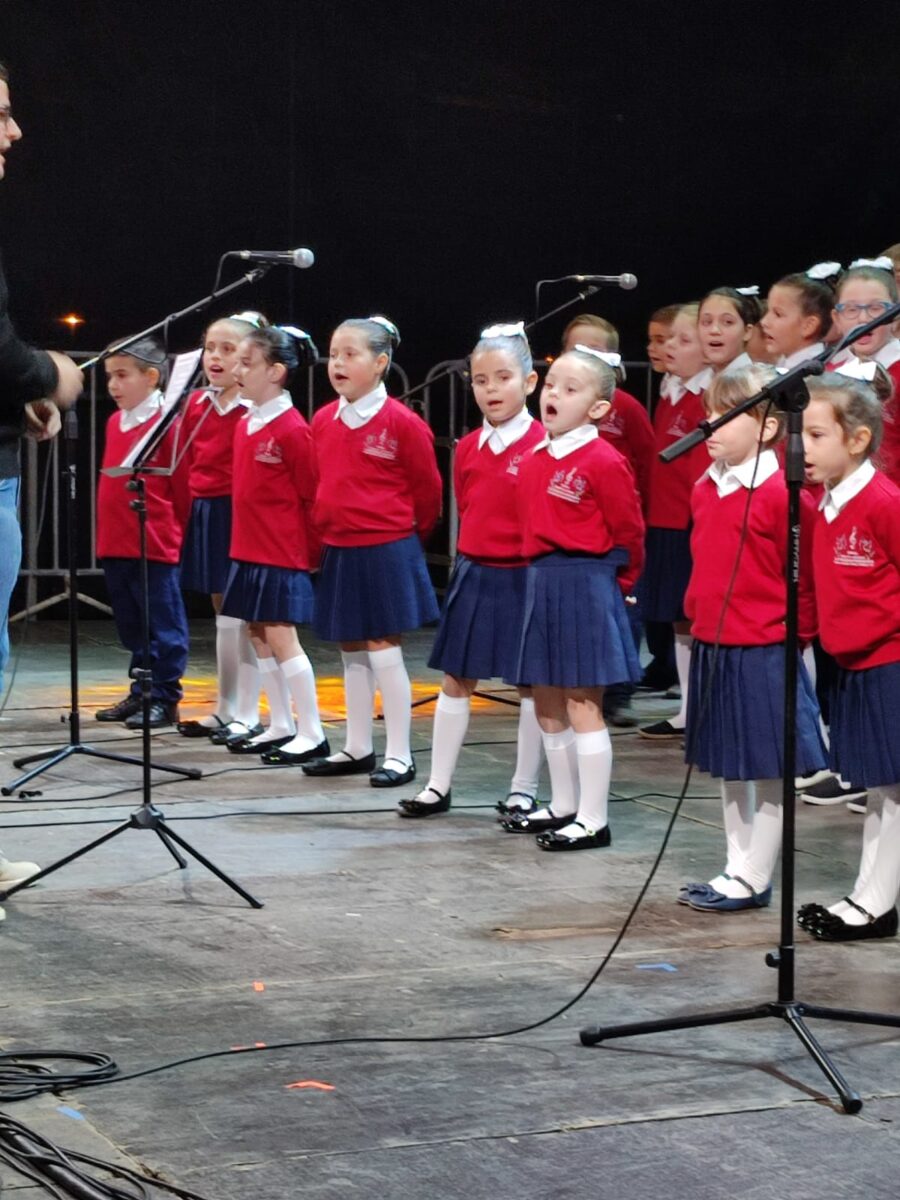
501 437
789 361
133 417
888 354
215 397
732 479
261 415
566 443
359 412
838 497
742 360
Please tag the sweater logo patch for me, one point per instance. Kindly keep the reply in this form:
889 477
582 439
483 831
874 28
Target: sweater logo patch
381 445
567 486
612 424
514 463
269 452
854 550
679 427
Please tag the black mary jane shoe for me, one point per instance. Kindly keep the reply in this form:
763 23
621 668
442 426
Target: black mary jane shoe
554 840
247 745
235 731
196 729
833 929
279 757
346 765
386 777
539 820
809 915
505 809
416 807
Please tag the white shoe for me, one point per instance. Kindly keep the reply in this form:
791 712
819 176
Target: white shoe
15 872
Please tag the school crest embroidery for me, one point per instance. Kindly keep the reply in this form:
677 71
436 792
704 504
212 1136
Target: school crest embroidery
381 445
854 550
567 486
679 427
269 452
514 463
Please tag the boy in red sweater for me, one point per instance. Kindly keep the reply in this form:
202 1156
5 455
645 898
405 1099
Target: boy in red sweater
133 378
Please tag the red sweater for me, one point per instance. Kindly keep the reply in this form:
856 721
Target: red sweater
379 483
856 559
585 503
671 483
486 485
211 447
627 427
273 490
755 613
168 499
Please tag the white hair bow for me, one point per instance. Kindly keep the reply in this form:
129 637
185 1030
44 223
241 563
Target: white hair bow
752 290
389 325
511 330
882 263
300 334
857 368
608 356
824 270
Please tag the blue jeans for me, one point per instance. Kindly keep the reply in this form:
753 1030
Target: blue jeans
10 559
168 622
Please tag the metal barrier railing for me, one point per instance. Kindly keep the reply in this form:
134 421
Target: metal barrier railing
445 402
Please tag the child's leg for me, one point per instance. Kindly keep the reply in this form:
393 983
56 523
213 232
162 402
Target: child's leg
593 749
392 680
451 720
738 809
228 662
301 683
880 876
169 634
558 739
123 586
753 815
529 754
274 684
683 643
246 706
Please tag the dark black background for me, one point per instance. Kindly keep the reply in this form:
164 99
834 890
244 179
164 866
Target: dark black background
439 159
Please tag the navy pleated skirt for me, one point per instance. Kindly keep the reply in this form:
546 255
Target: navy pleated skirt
481 622
667 571
741 733
865 726
575 630
204 560
369 592
258 593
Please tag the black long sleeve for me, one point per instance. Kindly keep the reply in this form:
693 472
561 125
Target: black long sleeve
25 373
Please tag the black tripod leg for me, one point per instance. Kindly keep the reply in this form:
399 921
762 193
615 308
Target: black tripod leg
851 1015
17 887
601 1033
187 772
235 887
47 761
851 1101
164 838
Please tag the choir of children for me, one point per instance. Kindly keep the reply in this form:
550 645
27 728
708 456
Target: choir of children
551 556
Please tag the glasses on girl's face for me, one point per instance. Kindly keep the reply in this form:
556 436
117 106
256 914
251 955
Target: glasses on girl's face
875 309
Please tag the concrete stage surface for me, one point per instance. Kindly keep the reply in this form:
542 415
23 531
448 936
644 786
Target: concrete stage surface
374 926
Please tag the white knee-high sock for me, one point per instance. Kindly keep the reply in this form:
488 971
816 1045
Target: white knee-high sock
765 836
301 682
530 751
359 696
871 831
738 809
562 765
274 684
683 643
228 660
246 709
451 720
595 757
392 681
882 884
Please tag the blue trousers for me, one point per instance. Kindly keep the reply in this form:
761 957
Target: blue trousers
168 622
10 559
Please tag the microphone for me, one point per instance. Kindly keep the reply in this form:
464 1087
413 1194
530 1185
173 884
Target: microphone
626 281
301 257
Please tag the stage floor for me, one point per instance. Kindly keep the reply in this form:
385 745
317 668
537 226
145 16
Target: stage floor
376 927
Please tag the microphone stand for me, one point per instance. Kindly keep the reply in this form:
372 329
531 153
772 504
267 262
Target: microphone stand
789 393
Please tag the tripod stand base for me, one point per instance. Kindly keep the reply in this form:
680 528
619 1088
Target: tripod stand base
146 817
792 1012
50 758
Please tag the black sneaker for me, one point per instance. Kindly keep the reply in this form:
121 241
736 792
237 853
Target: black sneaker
160 716
833 791
661 731
126 708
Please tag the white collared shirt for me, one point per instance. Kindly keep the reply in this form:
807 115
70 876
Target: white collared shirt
263 414
223 410
742 360
501 437
695 385
838 497
732 479
131 418
888 354
787 362
566 443
359 412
